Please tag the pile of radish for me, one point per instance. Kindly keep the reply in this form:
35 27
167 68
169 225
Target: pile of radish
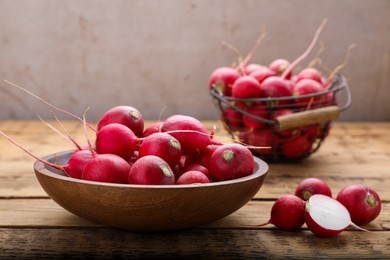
178 150
258 93
312 203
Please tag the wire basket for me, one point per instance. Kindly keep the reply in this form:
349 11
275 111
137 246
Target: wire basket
283 129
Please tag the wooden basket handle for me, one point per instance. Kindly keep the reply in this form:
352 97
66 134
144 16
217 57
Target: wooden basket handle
308 117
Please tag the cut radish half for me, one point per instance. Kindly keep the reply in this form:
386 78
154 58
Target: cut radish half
326 217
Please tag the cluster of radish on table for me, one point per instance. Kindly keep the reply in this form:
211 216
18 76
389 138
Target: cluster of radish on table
256 94
313 204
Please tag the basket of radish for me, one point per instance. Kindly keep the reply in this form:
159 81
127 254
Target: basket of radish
280 114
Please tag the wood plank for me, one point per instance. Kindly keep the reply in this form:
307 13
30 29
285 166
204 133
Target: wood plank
53 243
46 213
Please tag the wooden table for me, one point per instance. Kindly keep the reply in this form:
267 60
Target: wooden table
33 226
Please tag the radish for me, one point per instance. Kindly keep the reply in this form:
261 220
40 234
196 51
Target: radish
310 73
153 128
311 132
223 79
106 168
116 139
326 217
189 131
261 138
362 202
192 177
226 163
257 110
197 167
284 112
151 170
279 66
125 115
233 118
77 162
203 157
287 213
253 67
246 87
306 87
310 186
162 145
276 87
296 147
261 73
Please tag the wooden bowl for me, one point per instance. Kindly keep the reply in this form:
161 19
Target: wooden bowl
147 207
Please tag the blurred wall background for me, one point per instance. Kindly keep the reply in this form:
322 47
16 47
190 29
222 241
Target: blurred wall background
157 55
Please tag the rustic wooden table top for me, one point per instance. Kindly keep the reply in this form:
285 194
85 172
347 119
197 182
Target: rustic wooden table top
33 226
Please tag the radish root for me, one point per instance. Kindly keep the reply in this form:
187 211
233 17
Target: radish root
47 103
308 50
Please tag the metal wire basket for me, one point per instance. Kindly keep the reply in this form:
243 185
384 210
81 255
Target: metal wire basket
283 129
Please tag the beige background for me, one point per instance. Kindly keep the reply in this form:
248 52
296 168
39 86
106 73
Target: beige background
156 54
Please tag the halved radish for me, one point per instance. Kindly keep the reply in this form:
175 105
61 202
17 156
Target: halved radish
326 217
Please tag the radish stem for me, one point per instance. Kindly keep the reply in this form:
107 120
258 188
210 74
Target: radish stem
308 50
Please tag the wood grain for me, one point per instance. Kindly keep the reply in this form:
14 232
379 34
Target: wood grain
102 243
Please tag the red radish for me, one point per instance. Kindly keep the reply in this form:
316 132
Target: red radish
261 73
275 86
310 73
253 67
151 170
246 87
279 66
116 139
162 145
306 87
226 163
259 111
296 147
106 168
192 177
197 167
189 131
326 217
233 118
223 79
265 139
362 202
203 157
310 186
311 132
284 112
153 128
125 115
287 213
77 162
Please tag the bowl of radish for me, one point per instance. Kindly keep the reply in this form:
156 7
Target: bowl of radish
147 208
273 106
170 175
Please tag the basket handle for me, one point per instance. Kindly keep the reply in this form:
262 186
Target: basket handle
308 117
318 115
